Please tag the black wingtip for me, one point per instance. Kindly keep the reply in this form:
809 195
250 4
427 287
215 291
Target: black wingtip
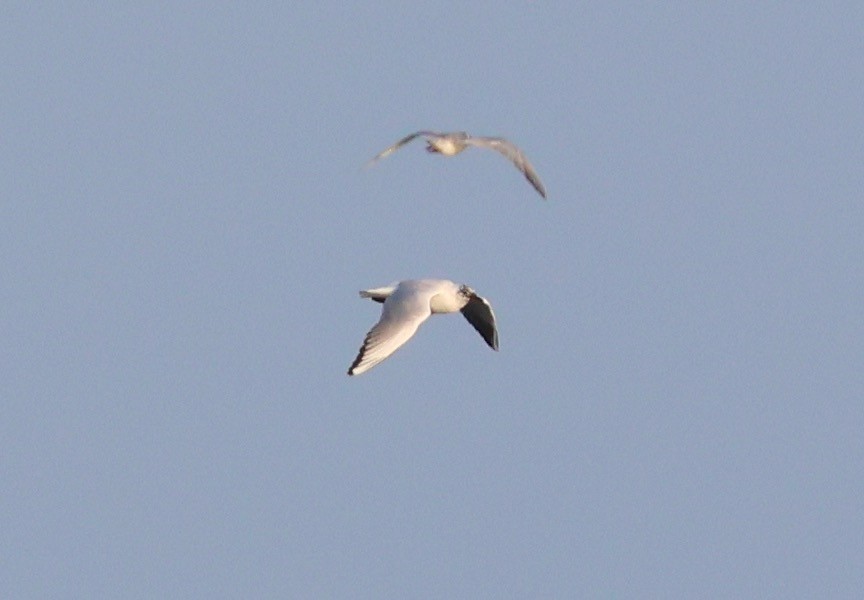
359 358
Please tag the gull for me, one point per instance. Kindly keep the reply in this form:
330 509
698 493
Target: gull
450 144
406 304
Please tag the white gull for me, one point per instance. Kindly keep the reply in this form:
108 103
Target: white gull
450 144
407 304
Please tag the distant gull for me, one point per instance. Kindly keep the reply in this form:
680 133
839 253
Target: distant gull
407 304
450 144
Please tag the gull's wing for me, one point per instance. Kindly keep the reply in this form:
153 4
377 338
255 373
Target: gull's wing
402 314
514 154
400 143
479 313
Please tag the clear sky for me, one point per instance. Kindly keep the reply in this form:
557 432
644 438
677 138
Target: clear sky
676 408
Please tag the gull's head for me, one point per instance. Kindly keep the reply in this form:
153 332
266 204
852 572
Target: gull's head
466 291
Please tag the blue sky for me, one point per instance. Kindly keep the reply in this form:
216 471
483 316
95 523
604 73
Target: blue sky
676 408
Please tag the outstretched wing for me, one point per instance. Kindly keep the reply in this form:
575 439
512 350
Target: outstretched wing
479 313
401 315
514 154
399 144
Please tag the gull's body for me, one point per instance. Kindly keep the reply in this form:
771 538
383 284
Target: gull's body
407 304
451 144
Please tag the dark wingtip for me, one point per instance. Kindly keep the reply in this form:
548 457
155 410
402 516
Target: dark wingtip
537 185
494 343
358 359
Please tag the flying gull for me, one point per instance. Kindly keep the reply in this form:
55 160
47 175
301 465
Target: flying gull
407 304
450 144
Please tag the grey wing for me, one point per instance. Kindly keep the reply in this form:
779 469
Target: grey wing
407 139
479 313
399 321
514 154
